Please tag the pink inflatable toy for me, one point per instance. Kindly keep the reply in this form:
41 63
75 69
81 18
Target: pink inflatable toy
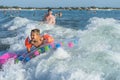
70 44
36 53
52 45
6 56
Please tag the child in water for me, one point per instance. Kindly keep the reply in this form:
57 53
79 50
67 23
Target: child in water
37 40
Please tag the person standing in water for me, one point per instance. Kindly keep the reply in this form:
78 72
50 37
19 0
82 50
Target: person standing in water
58 14
49 18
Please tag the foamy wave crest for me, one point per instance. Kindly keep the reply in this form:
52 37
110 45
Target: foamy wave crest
102 33
94 57
17 22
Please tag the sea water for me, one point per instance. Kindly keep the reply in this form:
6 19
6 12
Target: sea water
96 56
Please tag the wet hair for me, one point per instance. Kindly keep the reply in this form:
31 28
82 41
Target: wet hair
49 10
35 31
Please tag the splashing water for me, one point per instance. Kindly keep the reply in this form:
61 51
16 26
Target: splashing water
96 56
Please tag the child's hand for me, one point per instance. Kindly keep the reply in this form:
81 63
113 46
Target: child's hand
28 49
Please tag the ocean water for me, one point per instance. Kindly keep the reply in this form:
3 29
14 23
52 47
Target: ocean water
95 57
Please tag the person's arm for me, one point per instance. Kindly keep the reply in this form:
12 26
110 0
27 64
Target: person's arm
53 22
28 50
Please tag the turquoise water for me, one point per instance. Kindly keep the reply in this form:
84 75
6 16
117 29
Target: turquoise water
95 57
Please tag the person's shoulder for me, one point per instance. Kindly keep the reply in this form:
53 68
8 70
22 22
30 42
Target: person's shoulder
53 16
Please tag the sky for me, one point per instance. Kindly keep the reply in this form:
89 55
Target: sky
61 3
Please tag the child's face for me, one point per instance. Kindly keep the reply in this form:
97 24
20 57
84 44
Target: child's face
34 36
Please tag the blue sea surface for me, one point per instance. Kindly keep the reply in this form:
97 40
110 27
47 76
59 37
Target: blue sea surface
96 56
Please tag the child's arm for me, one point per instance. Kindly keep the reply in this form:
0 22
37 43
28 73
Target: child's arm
28 50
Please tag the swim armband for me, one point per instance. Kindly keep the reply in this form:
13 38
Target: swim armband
48 38
27 43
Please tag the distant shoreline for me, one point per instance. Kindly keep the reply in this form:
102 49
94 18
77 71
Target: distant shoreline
60 8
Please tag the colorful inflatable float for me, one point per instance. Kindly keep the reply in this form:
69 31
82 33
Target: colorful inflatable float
42 49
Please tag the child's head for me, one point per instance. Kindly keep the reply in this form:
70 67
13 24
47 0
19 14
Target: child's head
35 34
